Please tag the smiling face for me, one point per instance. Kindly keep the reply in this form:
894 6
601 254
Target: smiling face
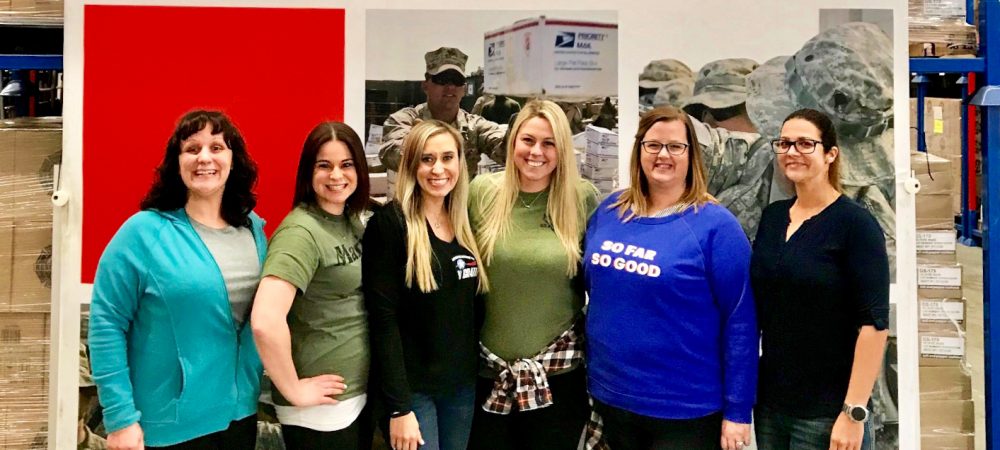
437 171
205 162
663 170
334 177
805 168
535 154
444 92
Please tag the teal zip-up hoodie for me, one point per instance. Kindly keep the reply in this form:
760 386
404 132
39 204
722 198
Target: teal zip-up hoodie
165 351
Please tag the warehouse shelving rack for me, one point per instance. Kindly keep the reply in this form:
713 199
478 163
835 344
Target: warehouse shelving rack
984 69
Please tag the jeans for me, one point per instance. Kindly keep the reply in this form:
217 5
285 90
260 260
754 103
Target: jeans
777 431
445 419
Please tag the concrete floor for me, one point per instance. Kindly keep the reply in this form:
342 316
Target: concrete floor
971 259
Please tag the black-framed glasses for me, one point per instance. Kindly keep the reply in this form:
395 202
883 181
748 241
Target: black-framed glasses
448 79
802 145
674 148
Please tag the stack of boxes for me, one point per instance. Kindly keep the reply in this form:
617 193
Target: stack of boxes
28 150
946 407
943 134
378 179
600 160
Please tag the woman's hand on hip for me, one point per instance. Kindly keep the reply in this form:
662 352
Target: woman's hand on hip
404 432
318 390
128 438
734 435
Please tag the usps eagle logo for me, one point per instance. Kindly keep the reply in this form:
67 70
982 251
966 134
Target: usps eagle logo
565 39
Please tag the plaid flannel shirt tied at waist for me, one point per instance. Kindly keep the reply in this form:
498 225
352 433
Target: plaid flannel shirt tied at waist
524 380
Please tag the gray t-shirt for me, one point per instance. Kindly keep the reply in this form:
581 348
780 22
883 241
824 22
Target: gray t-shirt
235 251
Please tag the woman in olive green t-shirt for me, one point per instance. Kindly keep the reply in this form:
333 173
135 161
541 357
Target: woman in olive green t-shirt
529 221
308 318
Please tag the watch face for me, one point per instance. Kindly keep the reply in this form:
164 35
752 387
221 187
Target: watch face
858 414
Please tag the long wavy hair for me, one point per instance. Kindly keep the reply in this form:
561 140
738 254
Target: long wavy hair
168 191
419 255
634 200
565 206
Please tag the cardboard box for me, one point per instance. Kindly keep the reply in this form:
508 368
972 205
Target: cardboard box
36 152
942 125
935 207
24 353
964 441
602 161
601 136
601 149
934 173
552 57
7 179
945 383
598 173
31 278
942 417
379 183
6 260
605 186
23 421
941 348
931 242
945 314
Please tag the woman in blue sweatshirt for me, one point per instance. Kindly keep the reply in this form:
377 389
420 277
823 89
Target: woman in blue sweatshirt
671 332
173 356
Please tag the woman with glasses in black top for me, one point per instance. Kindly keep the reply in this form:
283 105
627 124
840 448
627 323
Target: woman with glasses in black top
821 279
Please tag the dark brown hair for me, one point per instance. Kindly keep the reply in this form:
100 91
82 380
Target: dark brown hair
325 132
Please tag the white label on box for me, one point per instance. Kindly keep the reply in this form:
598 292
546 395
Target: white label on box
936 241
942 311
939 277
942 346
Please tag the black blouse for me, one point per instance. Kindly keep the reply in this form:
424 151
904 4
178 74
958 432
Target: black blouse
814 293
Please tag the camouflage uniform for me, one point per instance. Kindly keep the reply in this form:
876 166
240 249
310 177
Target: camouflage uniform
845 72
479 135
720 84
672 80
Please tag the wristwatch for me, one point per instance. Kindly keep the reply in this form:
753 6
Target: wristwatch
856 413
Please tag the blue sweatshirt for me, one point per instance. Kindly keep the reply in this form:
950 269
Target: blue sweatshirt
671 331
165 351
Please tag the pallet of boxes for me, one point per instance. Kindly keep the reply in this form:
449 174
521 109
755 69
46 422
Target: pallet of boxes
28 150
946 406
599 164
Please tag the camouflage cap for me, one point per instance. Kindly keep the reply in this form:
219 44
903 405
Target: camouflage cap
675 93
768 102
445 58
721 84
662 71
845 71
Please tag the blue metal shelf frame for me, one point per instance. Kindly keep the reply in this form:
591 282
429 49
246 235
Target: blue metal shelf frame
988 98
31 62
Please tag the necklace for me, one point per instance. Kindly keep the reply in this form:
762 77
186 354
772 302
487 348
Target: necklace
532 202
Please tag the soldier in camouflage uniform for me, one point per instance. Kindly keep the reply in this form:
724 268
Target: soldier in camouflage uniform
444 83
846 72
664 82
720 94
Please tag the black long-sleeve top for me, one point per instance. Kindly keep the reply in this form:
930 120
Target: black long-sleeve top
814 293
421 342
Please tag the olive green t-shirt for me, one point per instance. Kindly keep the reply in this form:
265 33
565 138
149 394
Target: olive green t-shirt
320 254
531 300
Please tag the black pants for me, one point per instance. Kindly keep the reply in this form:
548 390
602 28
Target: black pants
625 430
555 427
241 435
357 436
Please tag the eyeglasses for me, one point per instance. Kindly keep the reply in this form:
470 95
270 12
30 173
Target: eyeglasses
674 148
802 145
449 80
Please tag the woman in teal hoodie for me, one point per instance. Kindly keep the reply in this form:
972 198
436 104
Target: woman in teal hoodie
172 351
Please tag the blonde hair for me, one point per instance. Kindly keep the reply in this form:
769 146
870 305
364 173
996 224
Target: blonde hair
565 206
633 200
409 195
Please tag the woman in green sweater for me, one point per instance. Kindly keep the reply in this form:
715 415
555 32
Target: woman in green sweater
309 317
529 220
